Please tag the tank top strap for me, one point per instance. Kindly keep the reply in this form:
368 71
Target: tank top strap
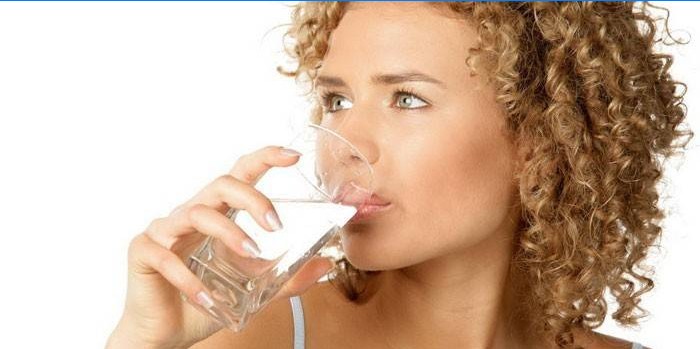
298 316
636 345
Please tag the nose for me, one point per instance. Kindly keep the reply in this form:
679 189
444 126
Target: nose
359 131
355 164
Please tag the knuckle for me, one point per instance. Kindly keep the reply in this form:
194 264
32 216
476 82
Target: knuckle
223 182
154 226
234 190
245 158
248 177
138 247
195 212
135 245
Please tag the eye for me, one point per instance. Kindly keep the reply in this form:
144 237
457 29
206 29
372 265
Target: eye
403 99
407 98
331 101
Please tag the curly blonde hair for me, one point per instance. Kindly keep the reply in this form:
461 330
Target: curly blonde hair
595 112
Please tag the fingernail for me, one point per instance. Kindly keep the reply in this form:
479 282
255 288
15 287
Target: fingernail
249 247
273 220
205 300
289 152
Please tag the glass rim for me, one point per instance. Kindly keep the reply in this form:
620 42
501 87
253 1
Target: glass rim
352 147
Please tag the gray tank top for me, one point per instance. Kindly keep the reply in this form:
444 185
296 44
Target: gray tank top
298 315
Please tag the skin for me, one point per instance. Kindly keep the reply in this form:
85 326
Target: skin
447 166
155 316
444 162
444 245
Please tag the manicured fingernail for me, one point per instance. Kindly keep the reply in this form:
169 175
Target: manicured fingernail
273 220
289 152
205 300
249 247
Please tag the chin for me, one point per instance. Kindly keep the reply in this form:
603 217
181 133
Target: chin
369 264
362 251
367 252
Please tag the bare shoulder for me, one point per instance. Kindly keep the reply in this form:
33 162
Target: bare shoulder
327 310
596 340
270 328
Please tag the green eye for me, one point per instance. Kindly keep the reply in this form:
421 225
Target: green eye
403 99
331 101
407 99
336 102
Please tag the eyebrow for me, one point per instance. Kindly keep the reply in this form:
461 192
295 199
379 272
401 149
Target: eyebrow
382 79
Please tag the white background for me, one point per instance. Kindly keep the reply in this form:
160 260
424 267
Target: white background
112 113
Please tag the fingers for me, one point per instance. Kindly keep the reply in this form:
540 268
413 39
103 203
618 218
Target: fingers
229 192
233 190
250 167
236 189
202 219
145 255
204 214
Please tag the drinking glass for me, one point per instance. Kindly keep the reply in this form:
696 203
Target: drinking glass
314 199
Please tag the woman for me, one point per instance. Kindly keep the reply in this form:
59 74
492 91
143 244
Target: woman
518 146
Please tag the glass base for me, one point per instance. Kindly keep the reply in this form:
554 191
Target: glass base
238 295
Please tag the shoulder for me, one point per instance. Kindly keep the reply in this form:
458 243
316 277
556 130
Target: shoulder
272 327
596 340
327 310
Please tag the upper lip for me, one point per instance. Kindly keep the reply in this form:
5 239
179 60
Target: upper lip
374 200
350 194
377 200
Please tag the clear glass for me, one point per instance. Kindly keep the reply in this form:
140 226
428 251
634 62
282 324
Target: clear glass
314 199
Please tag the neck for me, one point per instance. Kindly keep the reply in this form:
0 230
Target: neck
461 300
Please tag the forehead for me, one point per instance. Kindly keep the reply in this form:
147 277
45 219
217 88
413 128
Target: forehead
377 37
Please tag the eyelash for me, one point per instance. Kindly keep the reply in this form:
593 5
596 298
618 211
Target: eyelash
327 95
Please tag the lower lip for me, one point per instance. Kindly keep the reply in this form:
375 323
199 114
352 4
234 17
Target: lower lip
368 211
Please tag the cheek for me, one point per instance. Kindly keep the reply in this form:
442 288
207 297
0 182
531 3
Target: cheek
461 190
452 189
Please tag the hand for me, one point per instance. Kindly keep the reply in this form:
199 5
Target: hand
155 316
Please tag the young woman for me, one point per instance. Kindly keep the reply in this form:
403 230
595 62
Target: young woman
517 145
